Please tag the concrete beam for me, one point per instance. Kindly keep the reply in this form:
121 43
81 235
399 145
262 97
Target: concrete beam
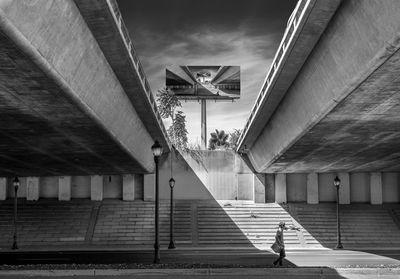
376 188
64 188
94 125
334 98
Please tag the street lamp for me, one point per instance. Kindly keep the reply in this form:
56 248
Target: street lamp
16 185
171 218
336 182
157 151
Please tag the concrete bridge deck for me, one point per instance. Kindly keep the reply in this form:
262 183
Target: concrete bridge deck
72 101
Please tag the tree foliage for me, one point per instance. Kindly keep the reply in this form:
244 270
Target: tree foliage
167 103
234 138
218 140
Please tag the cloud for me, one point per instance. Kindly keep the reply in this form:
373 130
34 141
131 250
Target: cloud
248 40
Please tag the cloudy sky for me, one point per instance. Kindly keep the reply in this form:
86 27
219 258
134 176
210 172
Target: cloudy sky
209 32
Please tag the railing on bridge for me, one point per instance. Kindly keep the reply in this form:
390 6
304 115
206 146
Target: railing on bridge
291 28
112 4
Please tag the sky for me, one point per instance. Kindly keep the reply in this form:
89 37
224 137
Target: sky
208 32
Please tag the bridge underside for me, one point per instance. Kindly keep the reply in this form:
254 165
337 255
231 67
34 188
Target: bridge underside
63 111
341 113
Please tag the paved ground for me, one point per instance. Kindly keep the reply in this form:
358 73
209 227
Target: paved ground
209 257
200 263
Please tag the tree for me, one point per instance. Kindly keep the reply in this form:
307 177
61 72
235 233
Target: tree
234 138
218 140
167 103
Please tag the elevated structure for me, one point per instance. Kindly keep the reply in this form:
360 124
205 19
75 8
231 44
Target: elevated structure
74 98
330 101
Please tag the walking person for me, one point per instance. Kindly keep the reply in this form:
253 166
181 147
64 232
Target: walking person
279 245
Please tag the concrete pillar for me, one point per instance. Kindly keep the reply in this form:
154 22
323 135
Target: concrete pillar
312 188
344 192
3 188
376 187
128 187
96 188
149 187
280 188
270 187
32 188
259 188
64 188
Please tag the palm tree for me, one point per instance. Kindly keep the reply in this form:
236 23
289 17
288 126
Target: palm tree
234 137
218 140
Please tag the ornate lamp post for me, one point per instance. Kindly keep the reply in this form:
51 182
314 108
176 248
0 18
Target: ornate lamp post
16 185
171 216
336 182
157 151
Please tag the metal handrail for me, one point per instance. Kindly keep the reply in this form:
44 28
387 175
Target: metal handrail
113 6
287 39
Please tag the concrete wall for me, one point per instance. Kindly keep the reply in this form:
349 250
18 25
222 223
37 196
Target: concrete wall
360 188
390 187
296 187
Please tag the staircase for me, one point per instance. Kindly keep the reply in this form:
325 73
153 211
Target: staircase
130 224
361 225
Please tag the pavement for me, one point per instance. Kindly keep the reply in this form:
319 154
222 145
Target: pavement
202 263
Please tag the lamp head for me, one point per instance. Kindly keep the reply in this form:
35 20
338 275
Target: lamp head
171 183
16 182
157 149
336 181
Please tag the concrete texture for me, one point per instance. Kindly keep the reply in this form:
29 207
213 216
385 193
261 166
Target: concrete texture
64 188
3 188
376 188
96 188
341 112
128 187
280 188
64 110
32 188
344 190
312 188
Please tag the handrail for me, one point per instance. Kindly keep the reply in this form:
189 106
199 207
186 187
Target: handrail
292 26
113 6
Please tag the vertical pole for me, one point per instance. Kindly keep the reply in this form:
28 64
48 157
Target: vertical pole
157 241
203 124
339 240
15 246
171 227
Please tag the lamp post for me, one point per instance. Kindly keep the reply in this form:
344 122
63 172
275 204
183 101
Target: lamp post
157 151
171 216
16 185
336 182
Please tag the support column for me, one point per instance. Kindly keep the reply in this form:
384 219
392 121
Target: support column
128 187
344 191
280 188
3 188
376 188
64 188
203 124
32 188
96 187
148 189
270 187
312 188
259 188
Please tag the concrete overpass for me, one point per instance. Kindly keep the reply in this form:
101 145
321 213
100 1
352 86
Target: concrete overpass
74 97
330 102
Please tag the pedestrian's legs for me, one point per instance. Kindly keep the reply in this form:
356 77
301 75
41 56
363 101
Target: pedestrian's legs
282 255
279 260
